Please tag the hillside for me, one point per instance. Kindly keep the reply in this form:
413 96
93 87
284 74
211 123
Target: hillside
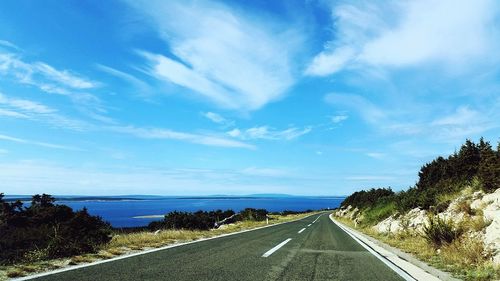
450 218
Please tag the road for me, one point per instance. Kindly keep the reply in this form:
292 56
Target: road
313 248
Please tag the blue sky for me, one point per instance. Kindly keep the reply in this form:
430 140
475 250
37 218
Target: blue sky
240 97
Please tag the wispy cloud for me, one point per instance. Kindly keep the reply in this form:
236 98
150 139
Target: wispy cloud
223 53
203 139
217 118
42 75
376 155
141 87
8 44
338 118
366 109
37 143
42 176
382 34
27 109
268 133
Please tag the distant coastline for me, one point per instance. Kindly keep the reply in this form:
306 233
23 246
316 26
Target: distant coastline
83 198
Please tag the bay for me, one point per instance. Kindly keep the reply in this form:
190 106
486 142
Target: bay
123 213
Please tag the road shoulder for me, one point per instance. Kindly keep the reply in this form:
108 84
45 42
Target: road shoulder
415 268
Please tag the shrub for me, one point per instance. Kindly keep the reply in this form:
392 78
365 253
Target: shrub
46 230
200 220
439 232
253 214
363 199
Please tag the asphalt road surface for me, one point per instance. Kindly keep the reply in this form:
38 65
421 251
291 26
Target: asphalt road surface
313 248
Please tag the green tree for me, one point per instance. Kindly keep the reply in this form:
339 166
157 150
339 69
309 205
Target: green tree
489 168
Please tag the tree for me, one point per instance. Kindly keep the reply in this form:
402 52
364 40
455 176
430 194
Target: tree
489 168
47 229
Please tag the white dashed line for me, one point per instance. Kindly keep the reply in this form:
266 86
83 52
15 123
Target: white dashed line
316 219
300 231
276 248
309 225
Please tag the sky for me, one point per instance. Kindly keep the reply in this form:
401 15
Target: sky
186 97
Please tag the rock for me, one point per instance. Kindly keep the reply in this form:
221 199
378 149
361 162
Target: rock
492 233
477 195
476 204
417 219
389 225
354 213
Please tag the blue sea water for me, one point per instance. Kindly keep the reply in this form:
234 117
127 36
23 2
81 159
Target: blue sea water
121 213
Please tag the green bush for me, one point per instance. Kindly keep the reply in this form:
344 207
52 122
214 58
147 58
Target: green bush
253 214
439 231
203 220
46 230
379 212
200 220
363 199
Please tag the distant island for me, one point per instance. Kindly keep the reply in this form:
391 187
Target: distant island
27 198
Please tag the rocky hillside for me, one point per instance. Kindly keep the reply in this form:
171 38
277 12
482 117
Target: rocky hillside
476 213
450 218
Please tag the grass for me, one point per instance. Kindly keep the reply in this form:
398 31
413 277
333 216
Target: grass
379 212
137 241
464 257
441 232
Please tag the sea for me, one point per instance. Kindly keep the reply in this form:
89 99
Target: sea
127 212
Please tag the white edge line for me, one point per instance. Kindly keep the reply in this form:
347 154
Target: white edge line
29 277
276 248
392 266
300 231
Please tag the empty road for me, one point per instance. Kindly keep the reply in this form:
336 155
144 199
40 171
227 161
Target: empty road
313 248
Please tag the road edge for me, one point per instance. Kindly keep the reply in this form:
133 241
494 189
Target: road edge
74 267
413 267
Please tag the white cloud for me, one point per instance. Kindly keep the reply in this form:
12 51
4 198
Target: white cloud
214 117
13 114
142 87
409 33
40 176
25 105
268 133
45 77
330 62
376 155
217 118
338 118
49 79
27 109
154 133
37 143
8 44
232 59
366 109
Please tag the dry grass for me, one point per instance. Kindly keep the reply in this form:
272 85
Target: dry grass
132 242
475 223
465 258
81 259
15 272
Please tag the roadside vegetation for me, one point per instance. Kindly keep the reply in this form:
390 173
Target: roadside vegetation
47 236
454 244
